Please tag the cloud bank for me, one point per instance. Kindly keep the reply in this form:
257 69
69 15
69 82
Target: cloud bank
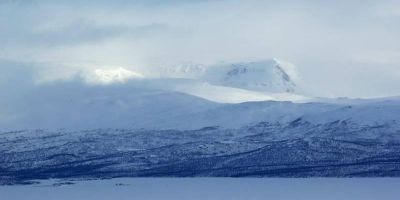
345 48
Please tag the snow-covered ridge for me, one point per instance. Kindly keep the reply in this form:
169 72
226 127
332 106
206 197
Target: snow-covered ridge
294 149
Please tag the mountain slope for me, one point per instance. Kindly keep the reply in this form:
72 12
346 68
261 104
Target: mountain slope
294 149
81 106
220 94
141 104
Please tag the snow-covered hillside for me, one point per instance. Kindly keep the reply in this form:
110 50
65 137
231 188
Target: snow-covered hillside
178 104
220 94
297 148
81 106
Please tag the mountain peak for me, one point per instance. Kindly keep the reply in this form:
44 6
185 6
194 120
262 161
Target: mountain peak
264 76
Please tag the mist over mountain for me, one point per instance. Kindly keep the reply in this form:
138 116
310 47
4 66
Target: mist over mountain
269 75
187 97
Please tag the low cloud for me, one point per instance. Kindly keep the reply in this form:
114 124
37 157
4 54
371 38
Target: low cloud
323 39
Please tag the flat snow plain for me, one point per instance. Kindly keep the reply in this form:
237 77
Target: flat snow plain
208 189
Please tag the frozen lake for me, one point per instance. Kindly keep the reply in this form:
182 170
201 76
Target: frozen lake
208 189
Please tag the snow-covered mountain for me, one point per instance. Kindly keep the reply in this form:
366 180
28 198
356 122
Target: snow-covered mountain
119 98
232 120
142 104
254 81
270 76
264 76
253 139
297 148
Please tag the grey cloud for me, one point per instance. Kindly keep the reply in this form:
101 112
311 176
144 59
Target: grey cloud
78 32
323 38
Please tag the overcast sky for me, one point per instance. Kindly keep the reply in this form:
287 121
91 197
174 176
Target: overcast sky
341 48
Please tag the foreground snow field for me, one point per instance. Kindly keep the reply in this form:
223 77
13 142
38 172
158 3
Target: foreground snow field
207 188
